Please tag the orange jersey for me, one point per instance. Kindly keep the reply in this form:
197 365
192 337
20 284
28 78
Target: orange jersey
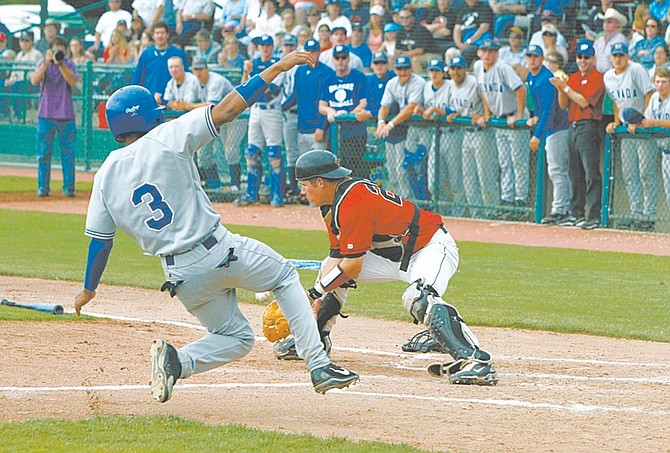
365 211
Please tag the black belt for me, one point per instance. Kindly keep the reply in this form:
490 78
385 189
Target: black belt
293 111
582 122
444 230
208 243
506 115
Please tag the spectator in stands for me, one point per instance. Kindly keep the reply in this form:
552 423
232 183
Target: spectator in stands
206 48
661 60
583 95
49 32
637 29
643 52
406 92
390 39
374 29
474 26
550 124
136 29
554 62
288 22
413 41
440 23
56 76
234 15
515 54
358 46
182 88
107 24
334 18
659 10
230 57
341 94
628 85
613 23
548 17
19 81
5 56
303 35
152 68
76 52
338 37
194 15
145 41
324 37
118 50
313 17
549 41
268 23
167 13
148 11
358 12
504 11
596 17
284 5
505 95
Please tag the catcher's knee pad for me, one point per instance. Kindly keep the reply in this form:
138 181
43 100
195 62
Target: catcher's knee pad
330 307
417 300
274 151
450 331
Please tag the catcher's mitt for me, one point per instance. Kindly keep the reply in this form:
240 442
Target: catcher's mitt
275 325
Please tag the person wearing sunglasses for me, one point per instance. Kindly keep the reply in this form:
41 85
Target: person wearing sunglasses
643 52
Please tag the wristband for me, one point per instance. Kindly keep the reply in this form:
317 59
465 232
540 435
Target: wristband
315 293
335 278
468 41
390 123
566 90
380 121
252 89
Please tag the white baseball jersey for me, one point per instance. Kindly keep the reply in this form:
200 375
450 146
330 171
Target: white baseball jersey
629 88
659 109
187 91
287 86
151 189
438 98
216 88
411 92
465 99
498 85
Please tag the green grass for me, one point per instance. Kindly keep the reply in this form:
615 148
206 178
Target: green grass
15 184
161 434
602 293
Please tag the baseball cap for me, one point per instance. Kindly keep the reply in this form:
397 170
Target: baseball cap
549 29
356 25
3 37
631 116
289 40
535 50
333 2
26 36
334 29
619 49
515 32
199 63
377 10
340 50
380 57
391 27
489 44
312 45
51 21
265 40
458 62
402 62
436 65
584 47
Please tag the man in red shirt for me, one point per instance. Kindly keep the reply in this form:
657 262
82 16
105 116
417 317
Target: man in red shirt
583 95
378 236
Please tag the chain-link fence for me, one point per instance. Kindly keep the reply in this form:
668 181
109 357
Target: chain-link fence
637 180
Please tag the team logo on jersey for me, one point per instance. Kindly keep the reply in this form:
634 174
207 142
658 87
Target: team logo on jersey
133 110
350 246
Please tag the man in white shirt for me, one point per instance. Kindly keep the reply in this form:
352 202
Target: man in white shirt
107 24
182 87
148 11
333 18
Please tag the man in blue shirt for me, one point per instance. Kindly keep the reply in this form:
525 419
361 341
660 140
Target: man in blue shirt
551 124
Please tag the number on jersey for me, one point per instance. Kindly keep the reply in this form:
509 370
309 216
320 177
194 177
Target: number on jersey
162 213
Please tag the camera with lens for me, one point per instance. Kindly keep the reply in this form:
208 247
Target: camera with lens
59 55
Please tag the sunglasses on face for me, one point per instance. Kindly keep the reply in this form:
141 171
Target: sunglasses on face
340 57
405 17
313 14
582 57
548 33
380 62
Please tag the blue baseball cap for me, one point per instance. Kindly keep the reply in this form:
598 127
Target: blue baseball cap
380 57
631 116
489 44
340 50
436 65
402 62
619 49
458 62
535 50
392 27
584 47
333 2
265 40
334 29
312 45
289 40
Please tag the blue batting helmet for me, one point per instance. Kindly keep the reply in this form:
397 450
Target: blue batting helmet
132 109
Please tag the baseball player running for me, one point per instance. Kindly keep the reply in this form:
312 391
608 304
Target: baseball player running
378 236
265 128
150 190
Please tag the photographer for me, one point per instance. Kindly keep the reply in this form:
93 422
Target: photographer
56 74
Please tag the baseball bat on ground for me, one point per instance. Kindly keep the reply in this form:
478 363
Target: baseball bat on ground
55 309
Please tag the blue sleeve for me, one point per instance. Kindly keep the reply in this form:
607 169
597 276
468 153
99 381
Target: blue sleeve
98 254
274 89
547 97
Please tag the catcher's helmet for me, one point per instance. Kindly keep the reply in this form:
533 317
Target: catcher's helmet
132 109
319 162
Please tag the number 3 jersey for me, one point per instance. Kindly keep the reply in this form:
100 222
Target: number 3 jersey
151 189
363 212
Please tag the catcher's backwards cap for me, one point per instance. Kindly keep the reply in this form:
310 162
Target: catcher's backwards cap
132 109
321 163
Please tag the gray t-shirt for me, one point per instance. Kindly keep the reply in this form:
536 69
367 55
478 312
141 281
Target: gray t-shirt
498 85
187 91
402 95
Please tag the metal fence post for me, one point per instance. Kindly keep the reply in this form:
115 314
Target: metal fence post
540 183
608 180
87 113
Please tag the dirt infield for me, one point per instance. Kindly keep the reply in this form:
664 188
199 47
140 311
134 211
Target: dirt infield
557 392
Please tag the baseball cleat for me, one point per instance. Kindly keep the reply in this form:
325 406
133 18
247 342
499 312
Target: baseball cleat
332 377
475 373
165 370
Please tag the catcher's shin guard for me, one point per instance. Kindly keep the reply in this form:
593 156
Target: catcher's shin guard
417 299
329 309
449 330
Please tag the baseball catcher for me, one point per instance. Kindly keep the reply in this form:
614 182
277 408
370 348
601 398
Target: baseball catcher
376 236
